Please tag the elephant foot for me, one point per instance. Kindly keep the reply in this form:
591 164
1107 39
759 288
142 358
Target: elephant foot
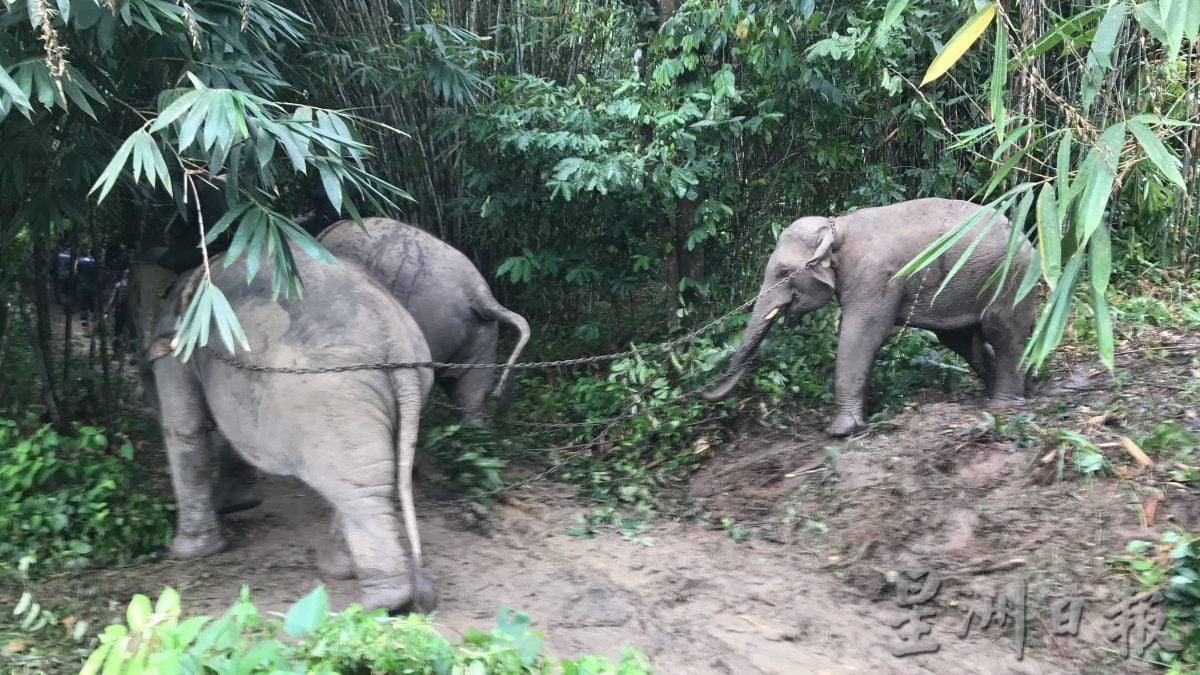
186 546
845 424
334 562
399 597
1006 401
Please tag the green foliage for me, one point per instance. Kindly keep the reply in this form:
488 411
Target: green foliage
74 500
243 641
1172 565
470 455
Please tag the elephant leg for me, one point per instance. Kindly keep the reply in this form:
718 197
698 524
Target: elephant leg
367 516
237 486
333 559
969 344
1007 343
861 335
470 388
185 425
469 392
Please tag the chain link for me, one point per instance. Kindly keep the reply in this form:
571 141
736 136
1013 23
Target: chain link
561 363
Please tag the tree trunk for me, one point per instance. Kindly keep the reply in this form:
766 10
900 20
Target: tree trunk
43 369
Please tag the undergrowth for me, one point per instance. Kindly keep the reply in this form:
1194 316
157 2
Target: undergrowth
660 440
1170 565
308 639
77 499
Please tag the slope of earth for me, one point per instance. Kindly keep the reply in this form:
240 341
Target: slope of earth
988 504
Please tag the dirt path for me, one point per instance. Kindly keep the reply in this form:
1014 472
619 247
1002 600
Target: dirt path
695 600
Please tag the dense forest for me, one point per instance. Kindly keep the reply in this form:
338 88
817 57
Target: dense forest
618 171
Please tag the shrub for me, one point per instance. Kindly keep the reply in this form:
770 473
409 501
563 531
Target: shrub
310 640
71 500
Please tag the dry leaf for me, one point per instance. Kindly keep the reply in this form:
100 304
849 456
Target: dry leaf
69 622
16 646
1123 472
1097 420
1136 452
701 446
1150 507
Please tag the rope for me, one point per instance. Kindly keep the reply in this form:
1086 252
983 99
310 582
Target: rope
561 363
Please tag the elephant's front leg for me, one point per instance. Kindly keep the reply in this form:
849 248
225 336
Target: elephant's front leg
862 333
185 426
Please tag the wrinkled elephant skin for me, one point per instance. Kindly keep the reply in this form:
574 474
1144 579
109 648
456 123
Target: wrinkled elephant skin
349 435
856 257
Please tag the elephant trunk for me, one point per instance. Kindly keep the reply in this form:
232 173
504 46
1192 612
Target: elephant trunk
766 310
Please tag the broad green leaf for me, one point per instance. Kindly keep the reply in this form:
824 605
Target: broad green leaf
1191 23
19 97
138 613
999 79
177 108
1099 59
1157 152
959 43
1174 14
1068 28
890 16
168 602
307 614
1049 329
1106 157
962 259
1016 236
1147 14
1104 326
112 172
1049 228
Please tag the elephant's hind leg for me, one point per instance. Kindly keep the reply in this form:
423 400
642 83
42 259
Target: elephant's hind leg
969 344
371 526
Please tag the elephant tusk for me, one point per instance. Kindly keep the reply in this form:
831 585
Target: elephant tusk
771 314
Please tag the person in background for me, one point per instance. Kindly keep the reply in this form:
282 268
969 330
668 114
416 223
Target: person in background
87 283
116 305
62 273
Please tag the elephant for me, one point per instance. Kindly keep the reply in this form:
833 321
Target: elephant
447 297
350 435
236 486
856 257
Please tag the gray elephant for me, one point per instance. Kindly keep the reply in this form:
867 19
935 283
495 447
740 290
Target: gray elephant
350 435
236 487
447 297
856 256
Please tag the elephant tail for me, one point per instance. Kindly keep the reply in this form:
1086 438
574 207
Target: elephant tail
486 306
408 408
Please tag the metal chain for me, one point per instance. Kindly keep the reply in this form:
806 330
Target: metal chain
392 365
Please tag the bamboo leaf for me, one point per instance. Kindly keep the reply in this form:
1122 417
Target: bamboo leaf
962 259
1158 153
959 43
1049 329
19 97
112 172
1105 156
177 108
1099 273
1049 229
1016 234
999 79
1151 19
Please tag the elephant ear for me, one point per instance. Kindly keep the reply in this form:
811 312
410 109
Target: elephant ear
819 263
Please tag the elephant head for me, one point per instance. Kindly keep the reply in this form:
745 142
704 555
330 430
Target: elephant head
805 249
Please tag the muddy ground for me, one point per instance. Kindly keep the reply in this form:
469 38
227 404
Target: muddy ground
782 553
